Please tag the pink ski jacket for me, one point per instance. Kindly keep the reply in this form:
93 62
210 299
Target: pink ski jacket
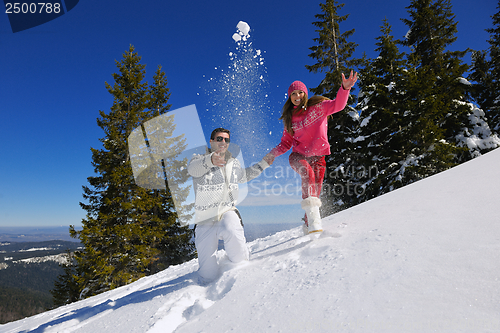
310 128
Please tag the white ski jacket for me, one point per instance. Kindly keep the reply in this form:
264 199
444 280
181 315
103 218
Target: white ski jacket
216 188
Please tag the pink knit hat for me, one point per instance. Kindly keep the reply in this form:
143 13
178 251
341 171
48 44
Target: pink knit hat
297 85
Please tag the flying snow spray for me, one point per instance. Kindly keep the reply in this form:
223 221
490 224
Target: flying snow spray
238 98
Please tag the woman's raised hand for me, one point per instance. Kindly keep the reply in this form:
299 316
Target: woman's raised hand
349 83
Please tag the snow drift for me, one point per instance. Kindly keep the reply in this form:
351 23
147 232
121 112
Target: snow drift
423 258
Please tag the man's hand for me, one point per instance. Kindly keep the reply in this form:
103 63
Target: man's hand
349 83
218 159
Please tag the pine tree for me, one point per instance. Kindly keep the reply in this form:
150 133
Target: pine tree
436 112
129 231
465 129
432 29
65 287
485 72
381 101
173 238
333 52
334 56
482 91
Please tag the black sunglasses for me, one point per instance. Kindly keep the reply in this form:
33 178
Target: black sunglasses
220 138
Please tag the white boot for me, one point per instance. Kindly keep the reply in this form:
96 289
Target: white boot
311 206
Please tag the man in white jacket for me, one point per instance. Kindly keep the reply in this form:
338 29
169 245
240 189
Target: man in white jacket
216 176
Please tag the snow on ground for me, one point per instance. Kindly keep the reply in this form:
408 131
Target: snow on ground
59 258
423 258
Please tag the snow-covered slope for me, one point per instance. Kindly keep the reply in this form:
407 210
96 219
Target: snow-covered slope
423 258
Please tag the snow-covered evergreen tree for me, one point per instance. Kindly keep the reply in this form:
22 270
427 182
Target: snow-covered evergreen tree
381 101
437 114
416 118
485 74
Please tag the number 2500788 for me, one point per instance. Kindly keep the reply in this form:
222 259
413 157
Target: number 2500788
32 8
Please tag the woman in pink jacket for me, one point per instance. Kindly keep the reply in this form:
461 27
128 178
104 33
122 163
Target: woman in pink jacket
306 125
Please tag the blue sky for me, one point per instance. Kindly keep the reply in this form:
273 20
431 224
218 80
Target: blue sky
53 75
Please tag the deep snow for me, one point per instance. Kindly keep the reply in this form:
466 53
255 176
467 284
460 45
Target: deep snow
423 258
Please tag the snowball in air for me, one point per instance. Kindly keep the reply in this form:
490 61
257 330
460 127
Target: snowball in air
243 27
242 33
236 37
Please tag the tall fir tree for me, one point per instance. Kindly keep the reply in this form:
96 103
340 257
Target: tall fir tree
174 239
483 87
485 73
334 56
129 231
465 130
381 101
436 109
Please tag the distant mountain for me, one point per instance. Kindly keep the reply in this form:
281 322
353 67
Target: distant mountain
35 234
27 274
28 268
41 234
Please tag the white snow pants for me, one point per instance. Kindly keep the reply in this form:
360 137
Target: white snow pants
228 229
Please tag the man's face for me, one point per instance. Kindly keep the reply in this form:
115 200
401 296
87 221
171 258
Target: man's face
220 146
